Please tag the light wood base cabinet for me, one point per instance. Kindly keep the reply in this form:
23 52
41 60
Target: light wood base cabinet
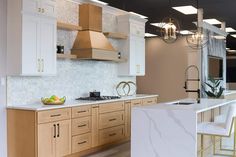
54 139
28 138
70 132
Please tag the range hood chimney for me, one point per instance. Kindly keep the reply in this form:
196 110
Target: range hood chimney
91 43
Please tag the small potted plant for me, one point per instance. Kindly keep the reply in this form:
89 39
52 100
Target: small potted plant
215 89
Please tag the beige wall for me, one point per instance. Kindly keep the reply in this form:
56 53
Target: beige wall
165 69
3 130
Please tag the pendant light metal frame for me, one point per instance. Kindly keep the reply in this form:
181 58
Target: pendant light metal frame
200 38
169 30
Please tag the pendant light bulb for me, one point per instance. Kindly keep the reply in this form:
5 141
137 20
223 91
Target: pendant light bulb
170 31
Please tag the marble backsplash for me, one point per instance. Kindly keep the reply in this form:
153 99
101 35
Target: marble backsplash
74 78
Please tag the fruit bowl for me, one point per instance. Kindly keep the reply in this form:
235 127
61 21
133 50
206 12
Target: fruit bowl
53 100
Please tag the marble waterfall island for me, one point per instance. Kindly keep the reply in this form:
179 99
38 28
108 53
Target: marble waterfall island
168 129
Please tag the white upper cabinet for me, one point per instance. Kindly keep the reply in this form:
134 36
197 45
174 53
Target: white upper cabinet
42 7
31 37
48 45
133 49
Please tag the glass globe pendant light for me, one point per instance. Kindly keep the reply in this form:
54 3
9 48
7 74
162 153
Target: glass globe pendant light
169 29
199 38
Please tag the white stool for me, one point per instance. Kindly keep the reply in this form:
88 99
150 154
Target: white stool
220 128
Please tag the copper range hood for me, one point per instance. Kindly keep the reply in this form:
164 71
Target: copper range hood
91 43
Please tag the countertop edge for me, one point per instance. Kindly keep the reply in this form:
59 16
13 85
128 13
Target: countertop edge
35 107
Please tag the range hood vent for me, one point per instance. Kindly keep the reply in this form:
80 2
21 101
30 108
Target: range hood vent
91 43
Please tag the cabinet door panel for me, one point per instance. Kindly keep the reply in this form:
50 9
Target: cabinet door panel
30 44
46 140
49 8
31 6
137 56
48 46
63 140
140 56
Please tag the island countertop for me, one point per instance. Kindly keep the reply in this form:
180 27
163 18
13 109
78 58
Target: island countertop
167 129
204 105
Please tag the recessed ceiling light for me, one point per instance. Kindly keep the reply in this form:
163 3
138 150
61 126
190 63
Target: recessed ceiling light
220 37
233 35
186 32
231 51
142 16
160 24
187 10
100 2
150 35
212 21
229 30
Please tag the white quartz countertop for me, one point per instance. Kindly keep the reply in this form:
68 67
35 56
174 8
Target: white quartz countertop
38 106
229 92
205 105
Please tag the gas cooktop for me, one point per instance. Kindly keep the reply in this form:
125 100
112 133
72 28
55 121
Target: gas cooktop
98 98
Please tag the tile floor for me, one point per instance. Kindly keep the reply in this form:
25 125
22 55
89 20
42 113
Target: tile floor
119 151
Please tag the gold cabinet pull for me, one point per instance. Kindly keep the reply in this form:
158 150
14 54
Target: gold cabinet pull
39 66
138 68
42 62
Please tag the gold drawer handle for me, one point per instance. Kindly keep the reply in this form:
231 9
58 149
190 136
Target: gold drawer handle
55 115
112 134
82 142
82 125
149 101
137 103
81 111
112 119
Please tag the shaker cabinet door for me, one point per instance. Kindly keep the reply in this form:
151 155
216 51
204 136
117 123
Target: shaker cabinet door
48 7
30 45
63 139
31 6
48 46
140 56
47 140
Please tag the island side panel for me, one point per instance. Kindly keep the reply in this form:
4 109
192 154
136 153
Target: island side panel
163 133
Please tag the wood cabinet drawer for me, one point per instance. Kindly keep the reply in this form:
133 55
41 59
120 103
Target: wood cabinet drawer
111 134
54 115
82 111
111 107
81 125
149 101
137 102
81 142
111 119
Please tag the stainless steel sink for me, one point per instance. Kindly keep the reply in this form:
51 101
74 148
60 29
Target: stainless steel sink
183 103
